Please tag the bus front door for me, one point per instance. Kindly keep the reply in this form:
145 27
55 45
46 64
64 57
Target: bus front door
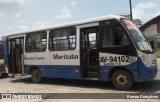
89 52
16 56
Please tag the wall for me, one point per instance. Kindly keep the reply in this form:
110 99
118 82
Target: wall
158 26
151 34
151 30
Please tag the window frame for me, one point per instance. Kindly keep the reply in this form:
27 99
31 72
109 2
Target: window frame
119 49
73 29
103 24
112 46
30 33
136 46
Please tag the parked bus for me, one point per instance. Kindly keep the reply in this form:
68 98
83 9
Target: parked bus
3 70
105 48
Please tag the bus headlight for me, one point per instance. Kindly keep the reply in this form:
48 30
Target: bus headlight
154 61
145 60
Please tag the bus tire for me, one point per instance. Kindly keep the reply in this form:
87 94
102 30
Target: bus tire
4 74
36 76
122 80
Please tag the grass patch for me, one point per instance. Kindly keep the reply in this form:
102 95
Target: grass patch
158 53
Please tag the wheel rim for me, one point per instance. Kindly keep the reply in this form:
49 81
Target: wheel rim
36 76
122 80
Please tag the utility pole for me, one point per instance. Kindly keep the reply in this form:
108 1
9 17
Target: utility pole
130 3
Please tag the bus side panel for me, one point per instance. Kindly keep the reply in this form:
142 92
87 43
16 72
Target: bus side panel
54 64
66 63
6 54
109 61
57 71
61 71
36 60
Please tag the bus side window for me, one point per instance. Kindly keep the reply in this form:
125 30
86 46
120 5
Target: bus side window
36 42
112 37
62 39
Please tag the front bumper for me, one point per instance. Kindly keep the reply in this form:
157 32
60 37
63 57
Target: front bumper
148 73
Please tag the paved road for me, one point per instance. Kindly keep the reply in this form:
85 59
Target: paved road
25 85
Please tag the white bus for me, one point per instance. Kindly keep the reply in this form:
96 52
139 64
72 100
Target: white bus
104 48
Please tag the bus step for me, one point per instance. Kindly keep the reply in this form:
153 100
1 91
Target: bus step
92 69
92 74
18 75
91 78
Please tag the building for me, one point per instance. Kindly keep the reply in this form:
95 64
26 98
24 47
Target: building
127 16
151 30
137 22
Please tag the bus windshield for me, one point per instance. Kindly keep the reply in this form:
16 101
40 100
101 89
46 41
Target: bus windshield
138 37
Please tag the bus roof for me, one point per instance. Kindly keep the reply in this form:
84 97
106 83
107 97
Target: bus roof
68 24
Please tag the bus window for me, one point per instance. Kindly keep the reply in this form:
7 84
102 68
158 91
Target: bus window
62 39
112 37
139 39
92 40
36 42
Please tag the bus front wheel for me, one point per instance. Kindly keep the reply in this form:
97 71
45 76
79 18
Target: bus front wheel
36 76
122 80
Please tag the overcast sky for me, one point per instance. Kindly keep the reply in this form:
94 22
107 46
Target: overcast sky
20 15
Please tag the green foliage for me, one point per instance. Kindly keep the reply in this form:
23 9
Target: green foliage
158 53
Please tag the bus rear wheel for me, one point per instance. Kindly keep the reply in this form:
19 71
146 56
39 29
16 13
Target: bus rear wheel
36 76
122 80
